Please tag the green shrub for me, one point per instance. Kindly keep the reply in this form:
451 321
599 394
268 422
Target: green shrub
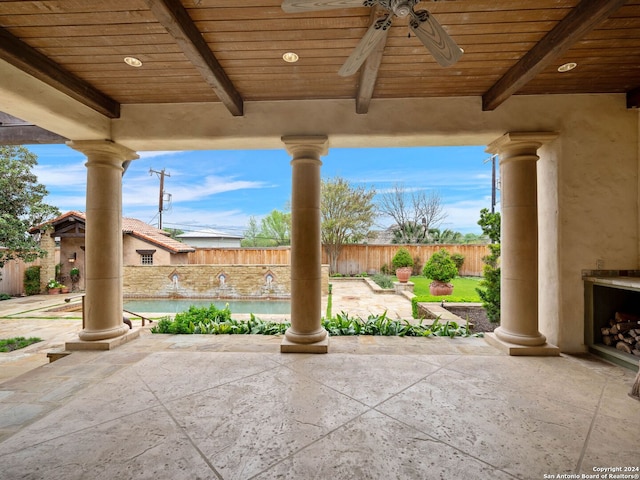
489 289
440 267
383 281
384 269
32 280
458 259
196 321
402 258
4 296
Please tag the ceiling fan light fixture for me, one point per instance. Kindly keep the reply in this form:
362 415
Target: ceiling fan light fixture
567 67
133 61
290 57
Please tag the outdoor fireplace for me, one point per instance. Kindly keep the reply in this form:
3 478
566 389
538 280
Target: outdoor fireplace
612 311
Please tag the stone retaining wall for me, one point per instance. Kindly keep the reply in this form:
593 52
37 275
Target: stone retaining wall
211 281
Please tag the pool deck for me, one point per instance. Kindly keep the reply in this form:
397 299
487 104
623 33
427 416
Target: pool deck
234 407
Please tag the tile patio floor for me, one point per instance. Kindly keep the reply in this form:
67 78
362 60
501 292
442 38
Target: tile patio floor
233 407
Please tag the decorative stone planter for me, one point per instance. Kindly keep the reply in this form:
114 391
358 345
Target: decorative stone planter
403 274
439 289
53 291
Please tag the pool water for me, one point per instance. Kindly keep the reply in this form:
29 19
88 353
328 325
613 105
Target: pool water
176 305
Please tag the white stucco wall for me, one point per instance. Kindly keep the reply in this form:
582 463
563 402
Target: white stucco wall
594 163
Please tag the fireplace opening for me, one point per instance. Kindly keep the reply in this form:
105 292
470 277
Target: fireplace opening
612 319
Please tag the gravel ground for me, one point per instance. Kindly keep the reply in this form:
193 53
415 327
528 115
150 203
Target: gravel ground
477 316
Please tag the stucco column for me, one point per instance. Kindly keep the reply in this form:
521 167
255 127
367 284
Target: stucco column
103 239
518 331
306 333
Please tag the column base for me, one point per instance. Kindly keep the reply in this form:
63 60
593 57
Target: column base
94 335
544 350
104 344
322 346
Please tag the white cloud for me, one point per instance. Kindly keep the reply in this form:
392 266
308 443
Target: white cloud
69 176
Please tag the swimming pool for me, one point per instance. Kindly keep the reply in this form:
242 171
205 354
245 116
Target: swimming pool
176 305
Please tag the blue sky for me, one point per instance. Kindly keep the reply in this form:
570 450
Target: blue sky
222 189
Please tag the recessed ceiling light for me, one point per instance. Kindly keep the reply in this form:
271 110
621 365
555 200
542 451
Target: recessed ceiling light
567 67
290 57
133 61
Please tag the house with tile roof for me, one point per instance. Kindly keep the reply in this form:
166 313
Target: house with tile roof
142 244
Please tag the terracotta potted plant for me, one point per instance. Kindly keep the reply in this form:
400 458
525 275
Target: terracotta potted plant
402 263
441 269
53 287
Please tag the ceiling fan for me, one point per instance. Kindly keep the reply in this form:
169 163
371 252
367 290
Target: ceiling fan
443 48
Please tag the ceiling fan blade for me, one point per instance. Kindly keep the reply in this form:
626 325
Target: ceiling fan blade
443 48
374 35
293 6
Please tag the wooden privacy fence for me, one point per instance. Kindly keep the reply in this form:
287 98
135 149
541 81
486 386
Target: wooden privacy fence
356 259
353 259
12 280
241 256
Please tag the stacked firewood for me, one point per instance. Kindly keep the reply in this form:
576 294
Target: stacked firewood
623 333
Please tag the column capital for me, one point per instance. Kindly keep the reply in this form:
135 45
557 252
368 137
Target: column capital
92 148
524 142
306 146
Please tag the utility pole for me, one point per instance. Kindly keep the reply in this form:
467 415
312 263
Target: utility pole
161 174
493 182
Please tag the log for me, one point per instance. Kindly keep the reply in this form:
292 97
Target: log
605 331
625 326
623 347
614 329
627 317
607 340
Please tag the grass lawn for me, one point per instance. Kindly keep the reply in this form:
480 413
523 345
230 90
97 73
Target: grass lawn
16 343
464 290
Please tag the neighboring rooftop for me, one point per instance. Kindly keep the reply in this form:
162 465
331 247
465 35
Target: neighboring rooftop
130 226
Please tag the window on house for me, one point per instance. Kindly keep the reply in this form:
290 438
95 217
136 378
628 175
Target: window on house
146 256
146 259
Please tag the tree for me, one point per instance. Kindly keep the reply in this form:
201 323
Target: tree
21 204
347 213
489 290
251 234
277 226
174 232
444 236
490 225
409 211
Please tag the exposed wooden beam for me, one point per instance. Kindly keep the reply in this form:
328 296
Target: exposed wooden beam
34 63
28 135
369 72
633 98
580 21
178 23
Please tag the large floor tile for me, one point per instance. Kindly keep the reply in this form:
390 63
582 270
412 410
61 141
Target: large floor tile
386 375
374 446
147 445
246 425
525 434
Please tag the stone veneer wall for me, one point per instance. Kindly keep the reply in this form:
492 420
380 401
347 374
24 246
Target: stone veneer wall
48 262
205 281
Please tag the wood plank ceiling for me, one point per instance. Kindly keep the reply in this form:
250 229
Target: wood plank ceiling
231 52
